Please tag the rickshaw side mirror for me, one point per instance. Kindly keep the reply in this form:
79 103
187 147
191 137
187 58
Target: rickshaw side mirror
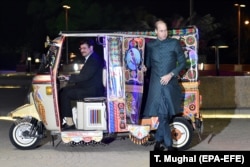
47 42
104 77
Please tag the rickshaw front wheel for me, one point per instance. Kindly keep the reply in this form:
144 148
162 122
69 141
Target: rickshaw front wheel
23 136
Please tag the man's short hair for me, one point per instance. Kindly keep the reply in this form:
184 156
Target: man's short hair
159 21
88 41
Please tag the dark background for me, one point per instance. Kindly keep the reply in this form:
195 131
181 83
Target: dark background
25 24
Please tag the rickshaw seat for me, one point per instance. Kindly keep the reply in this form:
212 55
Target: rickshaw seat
94 99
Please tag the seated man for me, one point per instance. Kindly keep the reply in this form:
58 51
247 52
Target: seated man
88 83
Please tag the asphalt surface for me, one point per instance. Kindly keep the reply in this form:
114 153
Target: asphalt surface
232 134
118 153
223 130
235 136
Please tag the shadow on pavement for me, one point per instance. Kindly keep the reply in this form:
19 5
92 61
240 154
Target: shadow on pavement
212 126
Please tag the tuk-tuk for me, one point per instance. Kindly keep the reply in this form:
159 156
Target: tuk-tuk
119 112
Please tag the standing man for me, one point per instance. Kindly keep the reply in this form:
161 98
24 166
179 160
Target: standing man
88 83
166 59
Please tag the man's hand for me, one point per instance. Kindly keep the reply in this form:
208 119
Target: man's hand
63 77
144 68
166 78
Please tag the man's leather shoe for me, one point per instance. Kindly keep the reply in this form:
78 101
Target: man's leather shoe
68 127
158 147
172 149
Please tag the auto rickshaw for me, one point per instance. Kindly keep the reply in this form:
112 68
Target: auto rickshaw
118 113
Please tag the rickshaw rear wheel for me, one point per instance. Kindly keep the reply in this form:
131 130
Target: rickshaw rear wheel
22 137
182 133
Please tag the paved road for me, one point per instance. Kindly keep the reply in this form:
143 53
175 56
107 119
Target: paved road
13 91
231 135
219 134
118 153
235 136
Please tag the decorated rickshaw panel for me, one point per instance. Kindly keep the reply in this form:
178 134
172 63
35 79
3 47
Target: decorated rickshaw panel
125 81
44 104
188 38
133 52
115 86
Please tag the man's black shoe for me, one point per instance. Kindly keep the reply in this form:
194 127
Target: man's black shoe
158 147
172 149
68 127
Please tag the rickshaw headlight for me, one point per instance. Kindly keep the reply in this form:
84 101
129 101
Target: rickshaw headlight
48 90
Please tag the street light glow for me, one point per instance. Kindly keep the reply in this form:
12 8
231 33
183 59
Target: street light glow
239 20
240 5
66 6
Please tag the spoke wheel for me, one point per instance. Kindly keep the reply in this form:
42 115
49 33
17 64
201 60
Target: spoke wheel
19 135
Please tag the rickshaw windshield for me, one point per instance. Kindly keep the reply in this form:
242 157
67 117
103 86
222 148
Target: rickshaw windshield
48 60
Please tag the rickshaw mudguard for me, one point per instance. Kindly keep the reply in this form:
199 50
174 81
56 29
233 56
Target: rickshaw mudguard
139 131
25 111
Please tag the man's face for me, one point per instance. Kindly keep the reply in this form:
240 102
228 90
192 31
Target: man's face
86 49
161 31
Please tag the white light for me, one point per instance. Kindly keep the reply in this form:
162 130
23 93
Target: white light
76 67
241 5
201 66
29 58
37 60
66 6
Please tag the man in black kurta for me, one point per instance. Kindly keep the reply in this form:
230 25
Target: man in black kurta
166 59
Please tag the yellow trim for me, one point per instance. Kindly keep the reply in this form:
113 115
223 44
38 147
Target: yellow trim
226 116
10 87
6 118
24 111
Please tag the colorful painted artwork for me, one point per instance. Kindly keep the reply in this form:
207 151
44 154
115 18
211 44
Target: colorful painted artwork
116 88
115 69
134 77
188 38
190 103
125 82
39 103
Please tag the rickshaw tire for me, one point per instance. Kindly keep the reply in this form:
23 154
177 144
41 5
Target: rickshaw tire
183 135
16 140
